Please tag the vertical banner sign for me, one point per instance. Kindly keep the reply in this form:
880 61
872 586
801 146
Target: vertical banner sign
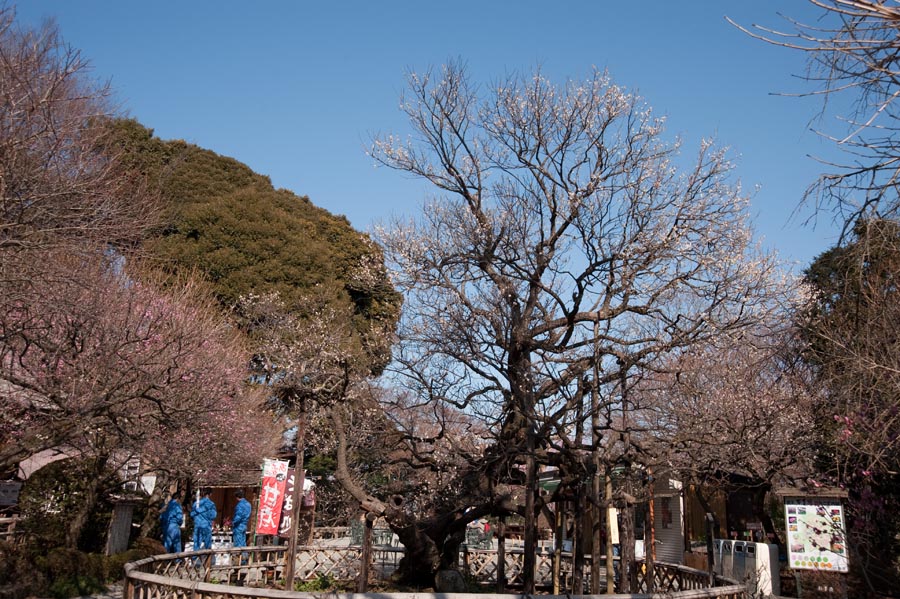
287 509
816 534
271 496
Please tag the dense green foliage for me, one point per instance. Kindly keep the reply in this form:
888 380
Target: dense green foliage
245 236
852 330
51 498
35 571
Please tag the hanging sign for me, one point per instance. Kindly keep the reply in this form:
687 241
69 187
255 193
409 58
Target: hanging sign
271 496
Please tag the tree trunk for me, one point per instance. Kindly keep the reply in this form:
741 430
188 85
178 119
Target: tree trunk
150 521
422 558
87 506
578 543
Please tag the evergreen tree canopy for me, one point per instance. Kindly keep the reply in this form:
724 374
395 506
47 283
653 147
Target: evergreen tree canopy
247 237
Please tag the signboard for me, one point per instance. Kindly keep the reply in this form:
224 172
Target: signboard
308 500
9 492
287 509
817 536
271 496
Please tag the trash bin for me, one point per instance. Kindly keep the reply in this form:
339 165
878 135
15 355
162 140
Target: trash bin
739 561
768 575
751 573
725 558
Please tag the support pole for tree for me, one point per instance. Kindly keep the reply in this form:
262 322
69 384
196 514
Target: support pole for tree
299 479
710 548
557 545
610 558
597 506
529 559
501 555
650 537
579 503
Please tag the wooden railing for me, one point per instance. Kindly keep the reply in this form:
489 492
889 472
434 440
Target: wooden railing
253 572
8 528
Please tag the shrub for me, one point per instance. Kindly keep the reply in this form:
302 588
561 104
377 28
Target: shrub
322 582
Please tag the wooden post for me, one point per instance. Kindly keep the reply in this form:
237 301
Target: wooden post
627 570
650 536
557 548
128 591
597 506
610 558
365 557
710 548
501 555
119 527
299 478
529 559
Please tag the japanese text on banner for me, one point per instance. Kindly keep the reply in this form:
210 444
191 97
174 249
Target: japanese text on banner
271 496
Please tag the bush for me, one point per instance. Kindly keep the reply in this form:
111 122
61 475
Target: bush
75 586
115 564
61 573
322 582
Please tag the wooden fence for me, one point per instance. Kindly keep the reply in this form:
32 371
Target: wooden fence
252 572
8 528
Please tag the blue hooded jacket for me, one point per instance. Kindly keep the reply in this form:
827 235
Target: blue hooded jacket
172 515
204 514
241 514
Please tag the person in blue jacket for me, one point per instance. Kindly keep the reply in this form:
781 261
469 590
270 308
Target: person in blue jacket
170 520
203 513
239 521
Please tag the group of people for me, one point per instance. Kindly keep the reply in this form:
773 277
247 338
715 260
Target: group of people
203 513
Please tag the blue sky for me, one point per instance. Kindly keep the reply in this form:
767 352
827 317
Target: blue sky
296 89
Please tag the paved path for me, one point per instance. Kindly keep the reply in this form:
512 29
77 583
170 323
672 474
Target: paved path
113 591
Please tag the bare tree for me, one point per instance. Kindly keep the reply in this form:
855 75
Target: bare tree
110 368
737 412
854 62
59 177
564 236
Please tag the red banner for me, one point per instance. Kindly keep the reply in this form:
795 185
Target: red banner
271 496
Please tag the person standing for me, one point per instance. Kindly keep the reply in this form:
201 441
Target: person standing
170 520
203 514
239 521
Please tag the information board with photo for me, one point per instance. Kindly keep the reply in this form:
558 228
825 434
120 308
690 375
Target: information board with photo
816 534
